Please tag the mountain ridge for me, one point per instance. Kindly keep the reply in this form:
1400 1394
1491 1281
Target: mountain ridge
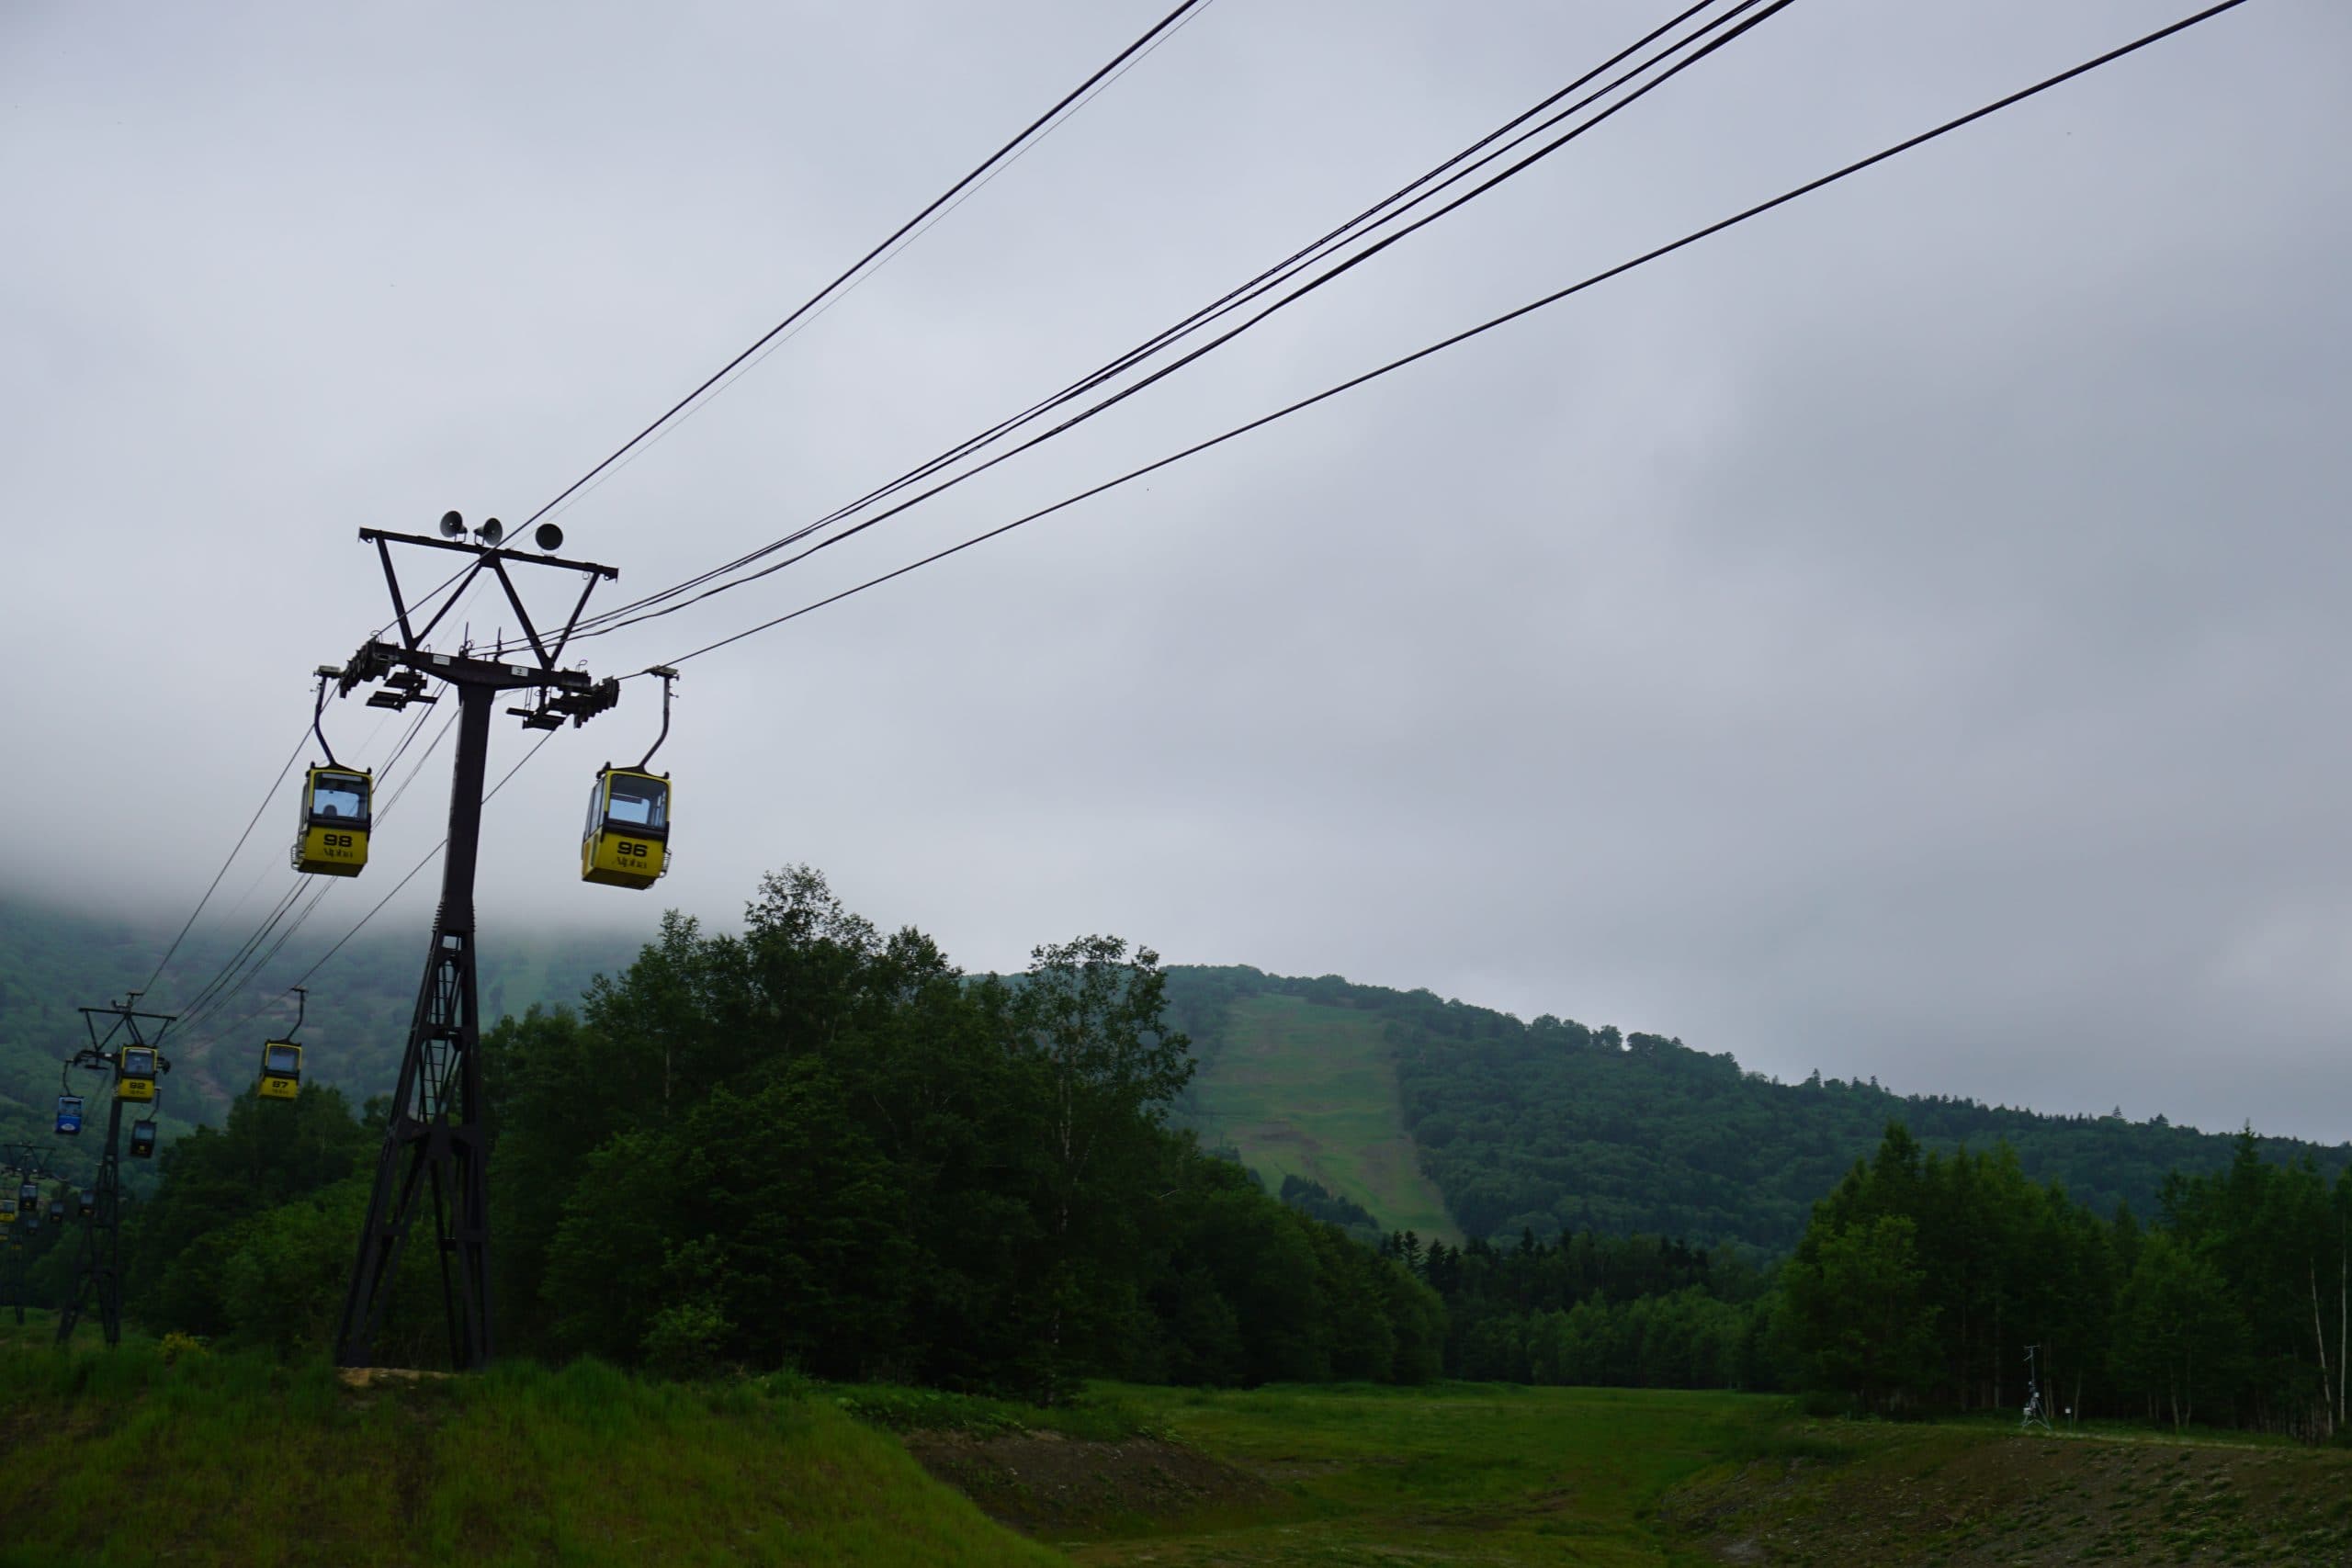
1436 1115
1555 1126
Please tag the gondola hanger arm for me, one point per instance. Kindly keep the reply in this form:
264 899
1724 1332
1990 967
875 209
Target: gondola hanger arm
318 711
669 677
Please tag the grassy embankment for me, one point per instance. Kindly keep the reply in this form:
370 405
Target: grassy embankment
115 1461
1308 1090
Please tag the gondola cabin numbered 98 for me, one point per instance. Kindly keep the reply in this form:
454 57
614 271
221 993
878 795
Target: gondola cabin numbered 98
134 1073
332 840
627 841
281 1070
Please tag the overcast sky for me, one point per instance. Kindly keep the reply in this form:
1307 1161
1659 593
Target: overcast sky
1907 635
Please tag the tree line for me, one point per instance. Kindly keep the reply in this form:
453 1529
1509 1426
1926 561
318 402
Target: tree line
1925 1279
818 1145
1623 1311
1928 1282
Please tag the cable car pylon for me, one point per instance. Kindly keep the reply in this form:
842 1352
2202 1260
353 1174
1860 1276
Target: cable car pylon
436 1144
134 1065
23 1174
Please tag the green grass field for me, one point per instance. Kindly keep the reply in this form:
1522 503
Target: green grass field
119 1461
1460 1473
1308 1090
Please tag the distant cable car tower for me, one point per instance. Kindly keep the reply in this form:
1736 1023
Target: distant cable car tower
133 1065
22 1172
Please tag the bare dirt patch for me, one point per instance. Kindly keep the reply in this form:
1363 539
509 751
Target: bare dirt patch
1043 1483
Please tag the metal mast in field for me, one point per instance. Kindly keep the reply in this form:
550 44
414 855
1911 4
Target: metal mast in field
435 1144
131 1068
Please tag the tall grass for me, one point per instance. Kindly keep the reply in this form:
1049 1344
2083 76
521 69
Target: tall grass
117 1459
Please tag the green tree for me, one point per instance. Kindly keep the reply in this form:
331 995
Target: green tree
1859 1300
2176 1330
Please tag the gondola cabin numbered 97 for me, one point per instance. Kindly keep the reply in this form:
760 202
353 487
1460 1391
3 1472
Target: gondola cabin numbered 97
134 1073
332 840
281 1070
627 841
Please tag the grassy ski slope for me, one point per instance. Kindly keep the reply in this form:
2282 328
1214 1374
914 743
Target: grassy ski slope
1310 1091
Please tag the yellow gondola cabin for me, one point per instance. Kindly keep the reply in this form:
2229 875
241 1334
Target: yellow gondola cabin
134 1073
333 835
627 841
281 1069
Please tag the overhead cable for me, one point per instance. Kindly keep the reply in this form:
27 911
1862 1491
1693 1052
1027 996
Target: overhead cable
1000 155
268 795
1509 316
1698 42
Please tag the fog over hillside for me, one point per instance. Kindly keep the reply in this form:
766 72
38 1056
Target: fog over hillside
1898 636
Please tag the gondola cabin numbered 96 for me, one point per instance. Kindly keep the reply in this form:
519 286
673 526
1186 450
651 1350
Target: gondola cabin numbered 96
281 1070
627 841
332 839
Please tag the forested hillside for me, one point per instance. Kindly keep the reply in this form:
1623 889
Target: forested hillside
1434 1116
811 1145
53 961
1553 1126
